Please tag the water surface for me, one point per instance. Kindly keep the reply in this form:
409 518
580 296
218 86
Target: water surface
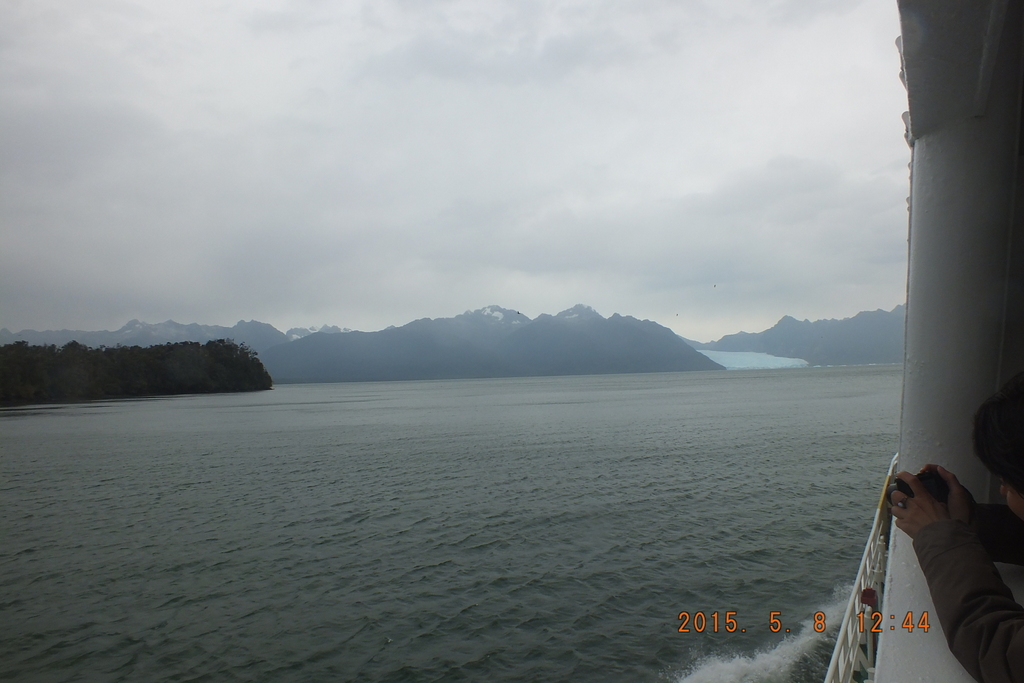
500 530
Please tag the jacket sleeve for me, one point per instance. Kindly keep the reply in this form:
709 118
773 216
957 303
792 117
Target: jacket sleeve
983 625
1001 532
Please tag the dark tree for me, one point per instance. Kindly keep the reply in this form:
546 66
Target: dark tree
30 374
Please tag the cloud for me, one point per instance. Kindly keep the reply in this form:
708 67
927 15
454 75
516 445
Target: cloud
364 164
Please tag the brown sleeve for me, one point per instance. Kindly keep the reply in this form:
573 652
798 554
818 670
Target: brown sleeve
983 625
1001 532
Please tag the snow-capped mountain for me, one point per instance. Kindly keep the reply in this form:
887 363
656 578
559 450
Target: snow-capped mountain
488 342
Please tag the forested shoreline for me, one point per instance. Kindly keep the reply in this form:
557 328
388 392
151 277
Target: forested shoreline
74 372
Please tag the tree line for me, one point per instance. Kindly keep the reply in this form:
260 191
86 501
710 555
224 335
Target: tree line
31 374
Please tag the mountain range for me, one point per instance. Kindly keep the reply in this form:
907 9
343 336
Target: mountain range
489 342
500 342
870 337
254 334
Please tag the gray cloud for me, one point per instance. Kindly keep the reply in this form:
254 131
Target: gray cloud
367 164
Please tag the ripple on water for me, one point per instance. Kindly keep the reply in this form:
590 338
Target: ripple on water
535 529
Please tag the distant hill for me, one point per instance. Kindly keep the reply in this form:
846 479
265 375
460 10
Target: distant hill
866 338
256 335
489 342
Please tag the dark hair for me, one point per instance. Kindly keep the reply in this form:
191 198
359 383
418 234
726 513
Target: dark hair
999 433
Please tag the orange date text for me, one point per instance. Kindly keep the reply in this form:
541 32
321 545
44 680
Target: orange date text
715 622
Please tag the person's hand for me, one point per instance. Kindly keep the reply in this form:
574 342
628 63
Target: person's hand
914 514
960 503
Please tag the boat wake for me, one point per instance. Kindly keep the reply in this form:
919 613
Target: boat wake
796 658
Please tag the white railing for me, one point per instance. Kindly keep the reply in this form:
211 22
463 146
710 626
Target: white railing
853 658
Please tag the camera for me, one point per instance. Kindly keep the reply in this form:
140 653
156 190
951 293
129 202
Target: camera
934 483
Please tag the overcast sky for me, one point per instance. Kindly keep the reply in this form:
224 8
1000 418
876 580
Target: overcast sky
711 165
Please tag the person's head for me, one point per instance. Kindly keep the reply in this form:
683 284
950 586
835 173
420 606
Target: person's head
999 437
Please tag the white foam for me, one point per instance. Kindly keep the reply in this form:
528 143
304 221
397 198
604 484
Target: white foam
773 665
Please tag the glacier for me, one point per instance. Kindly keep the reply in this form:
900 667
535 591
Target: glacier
751 360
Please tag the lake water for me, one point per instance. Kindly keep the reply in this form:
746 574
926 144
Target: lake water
542 529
